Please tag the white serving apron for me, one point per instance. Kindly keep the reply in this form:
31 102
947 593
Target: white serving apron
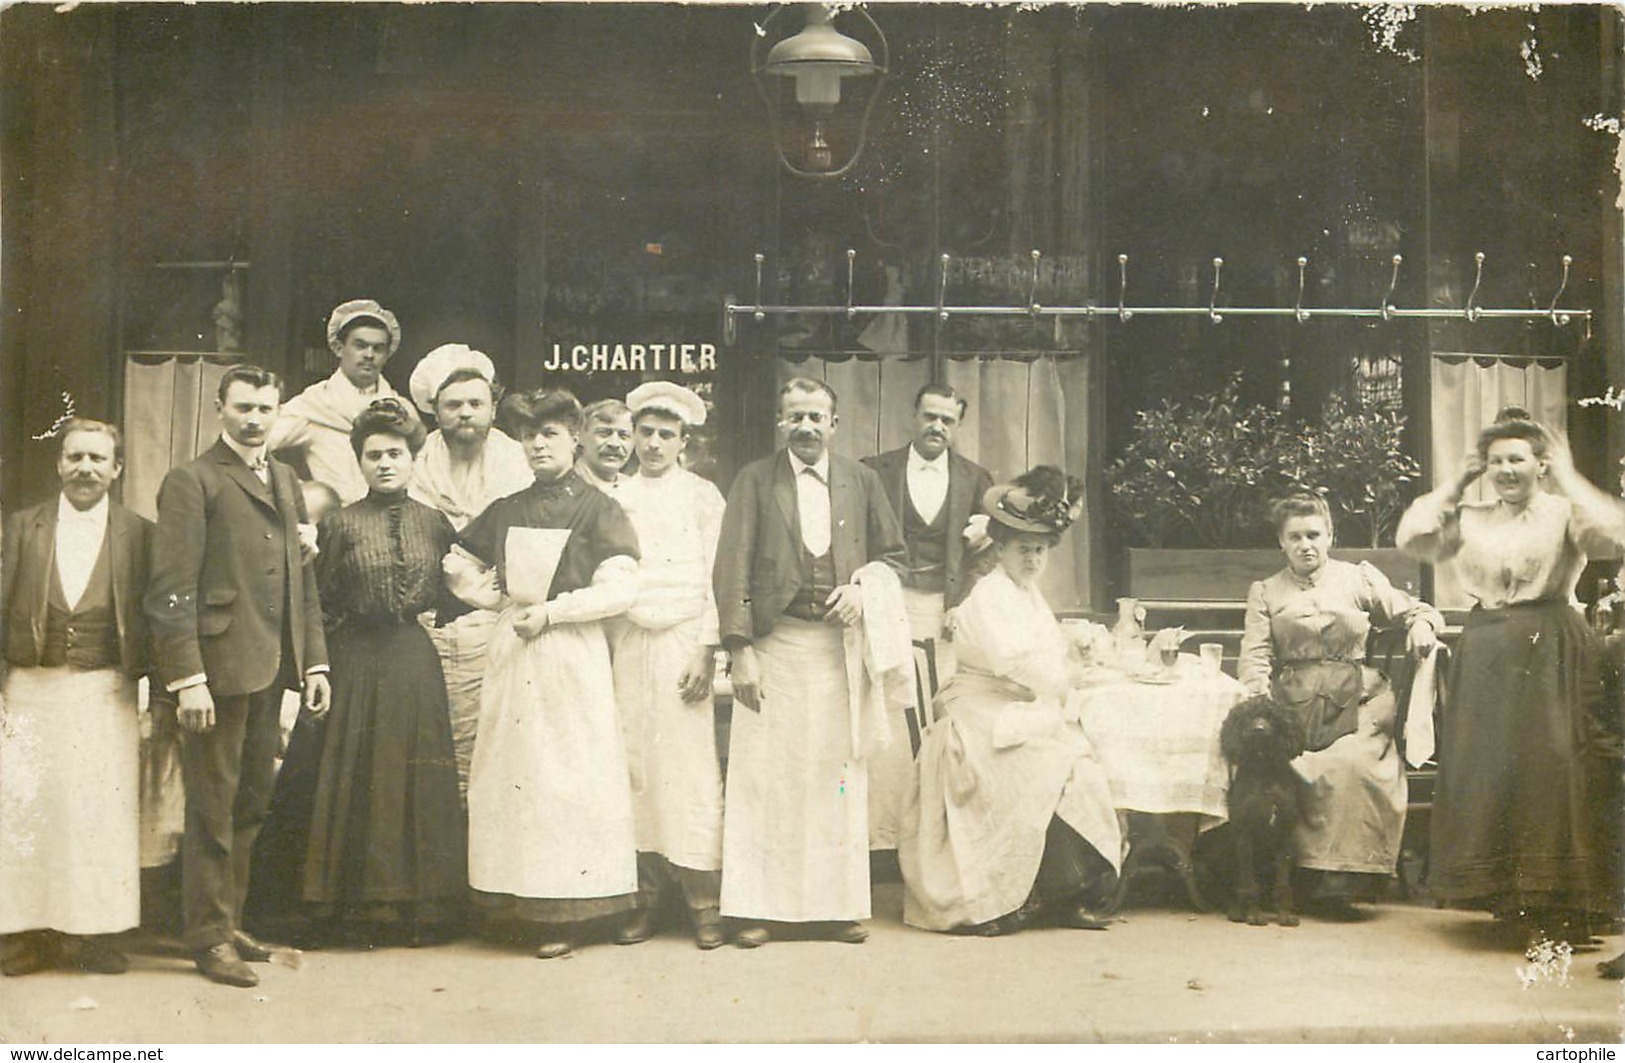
69 802
671 746
796 835
549 807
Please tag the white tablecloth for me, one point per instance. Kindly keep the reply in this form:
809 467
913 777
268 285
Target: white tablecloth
1160 741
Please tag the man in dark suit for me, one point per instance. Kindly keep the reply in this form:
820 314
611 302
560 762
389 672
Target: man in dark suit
934 492
75 641
235 621
800 526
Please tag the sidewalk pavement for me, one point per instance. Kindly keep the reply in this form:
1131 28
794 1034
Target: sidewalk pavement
1407 974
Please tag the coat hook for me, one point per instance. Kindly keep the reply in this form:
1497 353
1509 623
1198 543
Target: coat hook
1298 311
1387 306
942 290
759 315
1557 318
1213 303
1123 312
1032 289
851 257
1471 312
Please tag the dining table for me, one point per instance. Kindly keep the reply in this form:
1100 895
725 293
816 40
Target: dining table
1155 730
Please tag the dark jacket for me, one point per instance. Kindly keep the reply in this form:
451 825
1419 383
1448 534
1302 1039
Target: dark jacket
758 568
25 584
225 549
968 482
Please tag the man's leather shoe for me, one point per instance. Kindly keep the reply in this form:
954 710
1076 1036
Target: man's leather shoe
640 927
222 964
708 929
1082 917
553 950
251 949
98 957
28 953
752 937
849 933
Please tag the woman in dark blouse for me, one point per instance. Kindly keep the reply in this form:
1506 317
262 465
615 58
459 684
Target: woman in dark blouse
387 850
551 840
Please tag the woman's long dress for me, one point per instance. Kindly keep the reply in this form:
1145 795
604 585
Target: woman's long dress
1526 813
1305 642
386 823
1003 761
551 834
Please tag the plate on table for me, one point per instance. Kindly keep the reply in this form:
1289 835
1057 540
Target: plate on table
1156 678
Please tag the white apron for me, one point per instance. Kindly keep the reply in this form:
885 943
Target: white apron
69 802
549 810
795 844
671 746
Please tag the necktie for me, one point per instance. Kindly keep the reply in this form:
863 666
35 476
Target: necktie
813 503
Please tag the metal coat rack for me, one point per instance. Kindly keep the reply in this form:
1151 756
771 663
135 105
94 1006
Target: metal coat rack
1386 310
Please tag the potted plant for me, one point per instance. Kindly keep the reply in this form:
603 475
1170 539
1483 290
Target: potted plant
1194 483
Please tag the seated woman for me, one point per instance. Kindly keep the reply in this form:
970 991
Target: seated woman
1009 814
1305 642
386 853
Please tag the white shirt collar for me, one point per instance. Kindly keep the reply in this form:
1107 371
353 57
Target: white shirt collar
251 456
67 513
342 383
917 461
821 466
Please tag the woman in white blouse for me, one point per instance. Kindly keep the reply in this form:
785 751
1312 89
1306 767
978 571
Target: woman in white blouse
1009 817
1526 812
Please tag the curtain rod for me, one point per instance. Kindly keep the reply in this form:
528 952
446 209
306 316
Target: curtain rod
1386 310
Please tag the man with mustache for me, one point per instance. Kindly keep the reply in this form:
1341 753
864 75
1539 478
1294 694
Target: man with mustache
316 422
75 642
235 621
799 534
934 492
464 466
606 444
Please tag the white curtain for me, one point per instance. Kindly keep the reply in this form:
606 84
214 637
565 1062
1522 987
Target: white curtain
1467 392
169 418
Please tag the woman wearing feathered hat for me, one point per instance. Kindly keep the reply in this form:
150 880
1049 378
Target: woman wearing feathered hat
1010 817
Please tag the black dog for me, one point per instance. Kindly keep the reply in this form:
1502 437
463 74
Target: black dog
1260 739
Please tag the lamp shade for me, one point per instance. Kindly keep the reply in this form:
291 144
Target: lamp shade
818 58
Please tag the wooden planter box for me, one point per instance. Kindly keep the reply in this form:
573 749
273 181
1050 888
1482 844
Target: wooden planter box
1225 575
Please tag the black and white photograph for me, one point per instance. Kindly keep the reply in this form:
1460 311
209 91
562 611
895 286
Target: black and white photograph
585 523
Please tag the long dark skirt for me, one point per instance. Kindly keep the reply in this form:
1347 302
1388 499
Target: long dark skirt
387 825
1527 812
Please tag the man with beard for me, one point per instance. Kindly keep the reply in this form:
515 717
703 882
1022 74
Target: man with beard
316 422
801 530
75 642
464 466
934 492
235 621
606 444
